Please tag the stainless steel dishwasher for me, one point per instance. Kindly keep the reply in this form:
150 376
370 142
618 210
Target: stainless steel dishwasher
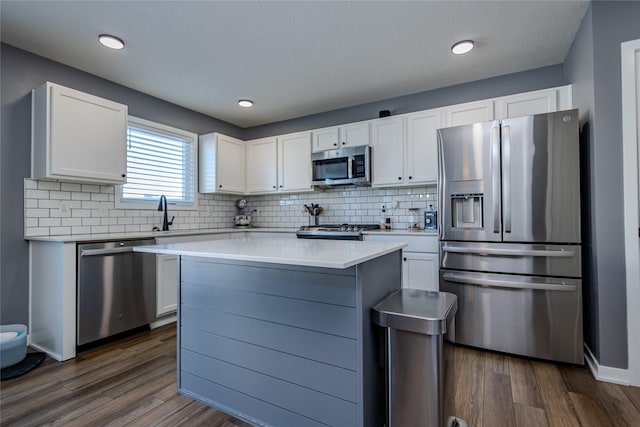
116 288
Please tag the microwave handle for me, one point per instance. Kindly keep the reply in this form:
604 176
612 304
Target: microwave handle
350 166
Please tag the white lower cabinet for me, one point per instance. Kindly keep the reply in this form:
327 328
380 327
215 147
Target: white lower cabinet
420 259
167 284
420 271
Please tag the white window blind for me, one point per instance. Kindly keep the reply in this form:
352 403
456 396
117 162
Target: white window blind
160 160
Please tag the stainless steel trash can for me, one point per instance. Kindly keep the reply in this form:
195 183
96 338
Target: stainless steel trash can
418 362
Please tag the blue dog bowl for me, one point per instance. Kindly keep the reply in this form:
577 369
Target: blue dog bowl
13 344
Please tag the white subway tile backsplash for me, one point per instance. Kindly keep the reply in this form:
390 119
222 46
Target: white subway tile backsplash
80 196
60 195
36 194
74 208
88 188
48 185
69 186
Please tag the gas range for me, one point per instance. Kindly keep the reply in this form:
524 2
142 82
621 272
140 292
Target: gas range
335 231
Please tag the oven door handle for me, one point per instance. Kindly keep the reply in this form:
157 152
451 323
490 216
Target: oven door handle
493 283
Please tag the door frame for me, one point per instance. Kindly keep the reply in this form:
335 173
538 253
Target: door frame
630 142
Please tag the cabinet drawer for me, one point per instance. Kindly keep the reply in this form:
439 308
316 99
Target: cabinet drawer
415 243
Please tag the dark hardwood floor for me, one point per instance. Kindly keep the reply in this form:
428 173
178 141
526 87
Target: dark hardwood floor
132 383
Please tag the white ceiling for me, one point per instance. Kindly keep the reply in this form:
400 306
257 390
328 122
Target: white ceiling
292 58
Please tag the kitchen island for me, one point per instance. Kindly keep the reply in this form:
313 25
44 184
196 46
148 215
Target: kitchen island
278 331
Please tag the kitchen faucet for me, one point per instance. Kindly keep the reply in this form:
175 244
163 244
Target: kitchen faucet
165 222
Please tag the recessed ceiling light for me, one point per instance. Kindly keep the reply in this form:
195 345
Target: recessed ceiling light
461 47
112 42
245 103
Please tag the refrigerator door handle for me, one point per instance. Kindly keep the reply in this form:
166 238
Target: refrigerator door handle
506 184
452 277
495 176
561 253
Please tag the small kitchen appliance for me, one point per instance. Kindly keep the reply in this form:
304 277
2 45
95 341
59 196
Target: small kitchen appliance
349 165
242 219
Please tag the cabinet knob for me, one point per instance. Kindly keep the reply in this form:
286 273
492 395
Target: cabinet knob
400 178
274 186
404 259
335 145
220 186
344 143
123 175
410 177
280 186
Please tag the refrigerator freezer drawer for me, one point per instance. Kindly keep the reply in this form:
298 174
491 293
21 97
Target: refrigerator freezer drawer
513 258
529 316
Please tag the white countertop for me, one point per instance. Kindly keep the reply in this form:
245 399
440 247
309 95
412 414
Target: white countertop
303 252
152 234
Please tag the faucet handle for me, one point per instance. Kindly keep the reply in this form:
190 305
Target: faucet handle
171 222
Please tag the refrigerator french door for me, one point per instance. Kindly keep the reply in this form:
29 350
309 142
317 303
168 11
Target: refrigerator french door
510 234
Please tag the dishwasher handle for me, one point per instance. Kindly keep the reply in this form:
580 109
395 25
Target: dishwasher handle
108 251
465 279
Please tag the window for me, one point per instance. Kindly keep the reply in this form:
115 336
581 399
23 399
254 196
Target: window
160 160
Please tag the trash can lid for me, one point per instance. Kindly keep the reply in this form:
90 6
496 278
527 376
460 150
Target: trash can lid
415 310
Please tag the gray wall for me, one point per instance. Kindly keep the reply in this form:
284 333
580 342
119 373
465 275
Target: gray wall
606 25
22 71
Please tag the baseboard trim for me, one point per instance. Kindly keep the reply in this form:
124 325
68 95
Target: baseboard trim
163 321
605 373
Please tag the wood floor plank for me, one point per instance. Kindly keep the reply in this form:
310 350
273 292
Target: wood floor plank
529 416
633 393
469 387
496 362
555 397
497 404
590 412
159 413
524 385
620 408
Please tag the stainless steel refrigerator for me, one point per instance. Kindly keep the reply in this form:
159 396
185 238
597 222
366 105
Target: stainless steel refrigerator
509 201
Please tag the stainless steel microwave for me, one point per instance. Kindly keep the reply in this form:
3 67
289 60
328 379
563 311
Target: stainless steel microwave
349 165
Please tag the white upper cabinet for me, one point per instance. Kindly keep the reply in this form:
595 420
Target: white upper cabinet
279 164
294 162
77 137
341 136
536 102
421 146
468 113
262 165
221 164
387 142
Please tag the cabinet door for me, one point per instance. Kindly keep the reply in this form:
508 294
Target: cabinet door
230 164
87 137
325 139
262 161
354 135
420 271
294 162
422 147
387 151
471 112
524 104
167 283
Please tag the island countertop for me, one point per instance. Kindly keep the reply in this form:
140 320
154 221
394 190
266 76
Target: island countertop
302 252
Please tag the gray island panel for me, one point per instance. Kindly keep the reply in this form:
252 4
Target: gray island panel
256 342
